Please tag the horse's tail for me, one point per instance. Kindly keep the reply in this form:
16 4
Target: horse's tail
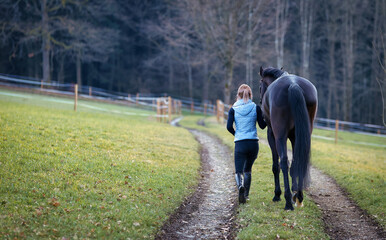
302 135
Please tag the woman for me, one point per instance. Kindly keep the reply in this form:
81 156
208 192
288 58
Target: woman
244 114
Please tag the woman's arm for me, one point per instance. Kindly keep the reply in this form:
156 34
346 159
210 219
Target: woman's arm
260 119
231 119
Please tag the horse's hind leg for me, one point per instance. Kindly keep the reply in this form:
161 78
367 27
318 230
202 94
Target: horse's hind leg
297 196
294 177
275 164
281 145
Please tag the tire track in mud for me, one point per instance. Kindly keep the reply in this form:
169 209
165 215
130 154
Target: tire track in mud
342 217
209 212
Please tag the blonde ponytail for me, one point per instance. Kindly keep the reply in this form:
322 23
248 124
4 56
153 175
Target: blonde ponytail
244 92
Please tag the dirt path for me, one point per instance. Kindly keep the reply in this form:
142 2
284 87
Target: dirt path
208 213
343 219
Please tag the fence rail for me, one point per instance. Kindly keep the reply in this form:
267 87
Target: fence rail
164 105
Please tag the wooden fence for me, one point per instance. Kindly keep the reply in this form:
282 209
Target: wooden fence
150 102
166 106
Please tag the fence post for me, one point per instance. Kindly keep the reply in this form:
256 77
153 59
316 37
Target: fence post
180 107
136 99
205 109
336 130
158 110
218 111
191 107
222 112
164 117
41 84
76 96
90 91
162 109
170 108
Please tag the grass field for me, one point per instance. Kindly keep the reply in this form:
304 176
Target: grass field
261 218
112 172
351 139
103 172
359 169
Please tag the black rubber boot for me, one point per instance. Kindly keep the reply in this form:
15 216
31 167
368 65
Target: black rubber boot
247 183
240 187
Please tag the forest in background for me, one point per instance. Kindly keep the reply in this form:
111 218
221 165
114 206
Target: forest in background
203 49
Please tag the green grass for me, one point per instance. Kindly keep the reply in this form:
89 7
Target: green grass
260 217
89 174
361 170
353 139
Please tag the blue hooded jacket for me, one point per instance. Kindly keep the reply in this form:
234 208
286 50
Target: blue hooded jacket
245 120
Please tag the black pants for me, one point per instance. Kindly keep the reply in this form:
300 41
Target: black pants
245 155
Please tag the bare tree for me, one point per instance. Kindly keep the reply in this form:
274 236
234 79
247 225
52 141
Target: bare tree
349 58
222 23
41 25
306 21
174 31
258 27
281 24
332 17
378 50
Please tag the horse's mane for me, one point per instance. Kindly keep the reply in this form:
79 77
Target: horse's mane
272 72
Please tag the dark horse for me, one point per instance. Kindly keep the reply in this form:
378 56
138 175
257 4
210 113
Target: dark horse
289 105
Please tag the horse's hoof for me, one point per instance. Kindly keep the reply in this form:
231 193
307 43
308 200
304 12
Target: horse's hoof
298 204
289 208
293 197
276 199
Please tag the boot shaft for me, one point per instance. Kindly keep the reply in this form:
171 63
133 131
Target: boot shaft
247 183
239 180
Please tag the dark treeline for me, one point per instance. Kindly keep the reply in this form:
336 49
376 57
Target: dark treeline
203 49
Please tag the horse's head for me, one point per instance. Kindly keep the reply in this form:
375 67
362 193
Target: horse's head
268 75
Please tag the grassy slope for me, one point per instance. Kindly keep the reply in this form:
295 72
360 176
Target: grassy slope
261 218
358 168
361 170
86 174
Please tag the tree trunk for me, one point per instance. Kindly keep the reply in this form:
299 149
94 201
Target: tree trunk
60 76
249 68
112 73
306 20
46 43
79 70
349 64
190 79
331 81
279 61
377 72
30 62
281 16
228 84
171 73
206 82
332 84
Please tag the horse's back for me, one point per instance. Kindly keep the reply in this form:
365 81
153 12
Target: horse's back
276 104
278 90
